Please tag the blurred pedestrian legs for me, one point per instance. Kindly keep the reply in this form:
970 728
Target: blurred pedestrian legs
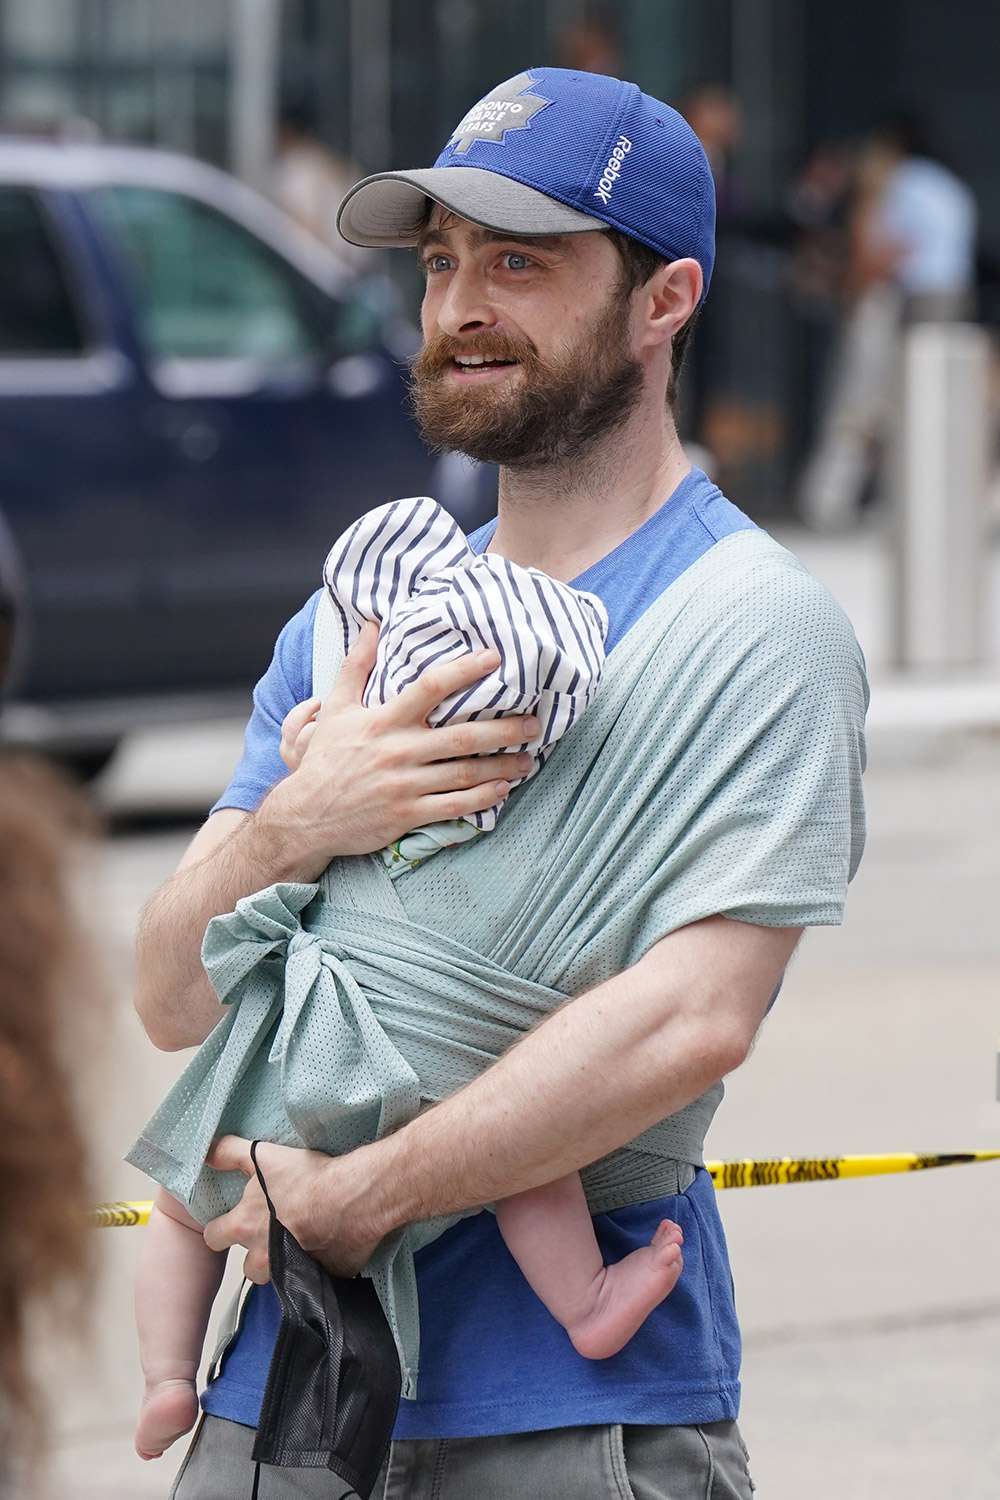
911 260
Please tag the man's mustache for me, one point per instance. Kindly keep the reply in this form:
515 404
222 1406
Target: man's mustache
439 353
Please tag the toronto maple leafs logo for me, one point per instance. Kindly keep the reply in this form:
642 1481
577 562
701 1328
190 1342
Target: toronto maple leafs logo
509 107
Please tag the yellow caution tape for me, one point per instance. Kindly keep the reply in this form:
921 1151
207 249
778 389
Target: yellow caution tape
785 1169
119 1215
770 1172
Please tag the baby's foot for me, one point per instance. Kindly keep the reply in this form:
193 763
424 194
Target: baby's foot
169 1409
627 1292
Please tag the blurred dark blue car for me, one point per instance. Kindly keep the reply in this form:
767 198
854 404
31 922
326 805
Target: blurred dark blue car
194 402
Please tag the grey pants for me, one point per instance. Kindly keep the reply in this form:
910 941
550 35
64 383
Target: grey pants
569 1463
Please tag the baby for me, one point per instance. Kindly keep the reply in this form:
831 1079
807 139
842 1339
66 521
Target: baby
408 567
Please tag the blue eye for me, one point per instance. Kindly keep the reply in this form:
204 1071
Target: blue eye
435 263
512 255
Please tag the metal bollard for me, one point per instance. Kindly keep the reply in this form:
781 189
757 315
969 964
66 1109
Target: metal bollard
940 481
253 95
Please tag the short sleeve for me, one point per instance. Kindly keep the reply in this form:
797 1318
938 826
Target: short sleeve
287 681
765 793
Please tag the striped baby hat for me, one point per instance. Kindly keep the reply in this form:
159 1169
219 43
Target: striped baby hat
408 566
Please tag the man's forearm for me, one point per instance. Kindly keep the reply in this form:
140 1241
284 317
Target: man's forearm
175 1001
593 1076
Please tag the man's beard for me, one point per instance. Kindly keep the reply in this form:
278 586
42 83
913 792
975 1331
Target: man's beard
549 414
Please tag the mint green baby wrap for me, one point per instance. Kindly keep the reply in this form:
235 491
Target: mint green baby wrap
717 771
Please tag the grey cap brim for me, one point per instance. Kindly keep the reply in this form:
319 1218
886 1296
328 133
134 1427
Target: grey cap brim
389 209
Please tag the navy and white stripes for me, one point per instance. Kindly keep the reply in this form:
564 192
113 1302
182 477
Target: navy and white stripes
408 566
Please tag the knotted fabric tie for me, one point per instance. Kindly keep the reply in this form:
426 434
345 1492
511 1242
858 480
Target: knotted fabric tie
353 1020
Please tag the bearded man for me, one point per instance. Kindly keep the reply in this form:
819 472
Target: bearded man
567 238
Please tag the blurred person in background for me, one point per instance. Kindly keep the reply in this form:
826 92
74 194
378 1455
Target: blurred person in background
309 179
562 279
716 116
714 414
817 204
912 245
45 1241
591 42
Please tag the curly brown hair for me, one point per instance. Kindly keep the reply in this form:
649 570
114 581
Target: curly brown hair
45 1242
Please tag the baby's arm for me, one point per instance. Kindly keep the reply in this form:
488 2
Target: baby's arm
550 1233
177 1282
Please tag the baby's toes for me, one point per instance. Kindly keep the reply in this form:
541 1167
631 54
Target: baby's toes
668 1233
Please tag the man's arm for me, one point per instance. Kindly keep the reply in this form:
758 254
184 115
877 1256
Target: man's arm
367 776
591 1077
231 855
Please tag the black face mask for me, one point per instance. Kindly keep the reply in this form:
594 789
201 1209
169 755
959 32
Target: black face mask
334 1384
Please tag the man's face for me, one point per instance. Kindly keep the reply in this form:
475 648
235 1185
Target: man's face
552 320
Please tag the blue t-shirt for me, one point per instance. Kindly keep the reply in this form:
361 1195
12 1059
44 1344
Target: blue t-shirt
492 1358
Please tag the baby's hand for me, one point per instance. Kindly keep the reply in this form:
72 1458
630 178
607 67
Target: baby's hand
296 732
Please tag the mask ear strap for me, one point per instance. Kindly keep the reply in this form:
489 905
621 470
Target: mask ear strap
260 1177
263 1187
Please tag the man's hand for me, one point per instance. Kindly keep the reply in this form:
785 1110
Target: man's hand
300 1183
366 776
361 777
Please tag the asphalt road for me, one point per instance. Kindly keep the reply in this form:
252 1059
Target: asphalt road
871 1309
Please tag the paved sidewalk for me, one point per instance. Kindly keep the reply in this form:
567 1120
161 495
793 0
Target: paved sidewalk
858 571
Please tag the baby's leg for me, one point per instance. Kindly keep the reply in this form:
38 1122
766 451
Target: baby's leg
550 1234
176 1285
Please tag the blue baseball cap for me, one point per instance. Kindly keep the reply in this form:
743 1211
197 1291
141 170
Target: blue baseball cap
555 152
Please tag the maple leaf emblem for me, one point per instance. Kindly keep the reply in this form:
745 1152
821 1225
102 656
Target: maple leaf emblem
509 107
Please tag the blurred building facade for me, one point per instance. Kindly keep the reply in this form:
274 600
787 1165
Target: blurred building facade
125 69
383 81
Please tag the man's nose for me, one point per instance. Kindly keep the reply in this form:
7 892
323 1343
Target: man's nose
465 307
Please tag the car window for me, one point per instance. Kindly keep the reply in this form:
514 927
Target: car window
359 324
37 314
206 288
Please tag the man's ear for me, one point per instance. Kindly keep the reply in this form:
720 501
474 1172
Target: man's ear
670 297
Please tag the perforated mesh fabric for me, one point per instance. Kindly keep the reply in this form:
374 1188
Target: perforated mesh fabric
717 772
729 781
